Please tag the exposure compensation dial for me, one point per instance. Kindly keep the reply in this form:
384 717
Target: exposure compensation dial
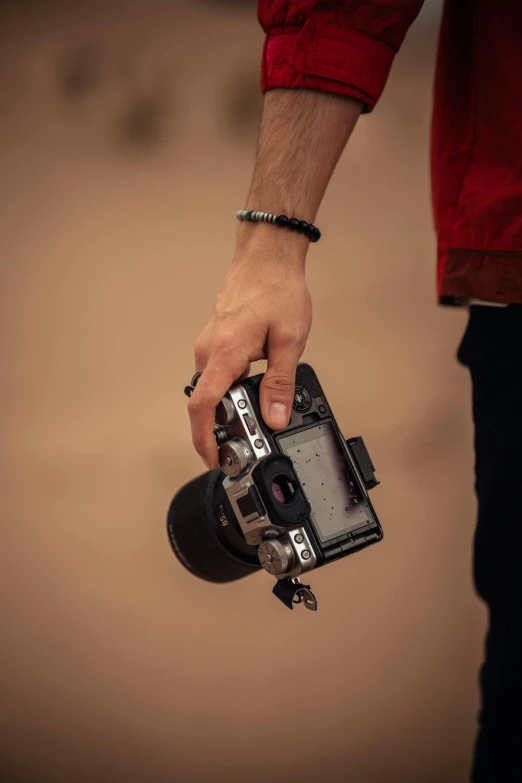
234 456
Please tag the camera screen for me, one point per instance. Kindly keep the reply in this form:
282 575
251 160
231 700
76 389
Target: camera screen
327 479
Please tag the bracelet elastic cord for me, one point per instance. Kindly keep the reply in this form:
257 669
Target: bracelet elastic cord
301 226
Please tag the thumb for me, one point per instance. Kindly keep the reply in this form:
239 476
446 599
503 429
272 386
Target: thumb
278 385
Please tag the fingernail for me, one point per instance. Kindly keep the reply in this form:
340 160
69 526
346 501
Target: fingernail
278 414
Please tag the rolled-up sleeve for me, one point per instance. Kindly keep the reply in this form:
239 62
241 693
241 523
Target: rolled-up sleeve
334 46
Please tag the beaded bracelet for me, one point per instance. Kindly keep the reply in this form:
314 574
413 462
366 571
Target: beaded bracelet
301 226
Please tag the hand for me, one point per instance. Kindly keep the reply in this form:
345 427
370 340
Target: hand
263 311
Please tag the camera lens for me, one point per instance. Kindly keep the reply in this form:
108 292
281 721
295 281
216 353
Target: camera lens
282 489
205 534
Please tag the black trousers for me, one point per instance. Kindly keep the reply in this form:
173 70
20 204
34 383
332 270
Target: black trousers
492 350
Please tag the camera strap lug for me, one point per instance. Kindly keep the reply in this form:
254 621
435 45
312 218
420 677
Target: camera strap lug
190 388
292 592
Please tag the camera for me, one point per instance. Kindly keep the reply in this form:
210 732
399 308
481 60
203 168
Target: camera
287 501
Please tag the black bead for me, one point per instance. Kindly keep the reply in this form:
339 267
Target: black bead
303 226
316 235
281 220
293 223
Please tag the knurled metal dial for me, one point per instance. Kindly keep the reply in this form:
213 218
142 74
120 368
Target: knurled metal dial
225 412
275 557
234 456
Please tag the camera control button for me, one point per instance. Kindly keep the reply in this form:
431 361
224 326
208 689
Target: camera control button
302 399
250 423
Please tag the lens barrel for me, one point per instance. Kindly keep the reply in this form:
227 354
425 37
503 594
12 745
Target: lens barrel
205 534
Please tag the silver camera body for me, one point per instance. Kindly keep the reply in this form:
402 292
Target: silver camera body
299 495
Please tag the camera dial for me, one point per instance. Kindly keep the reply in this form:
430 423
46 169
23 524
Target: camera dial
225 412
234 457
275 557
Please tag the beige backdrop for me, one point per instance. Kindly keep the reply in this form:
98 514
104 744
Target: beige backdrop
127 133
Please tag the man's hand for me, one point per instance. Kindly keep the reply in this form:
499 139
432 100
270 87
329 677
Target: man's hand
263 311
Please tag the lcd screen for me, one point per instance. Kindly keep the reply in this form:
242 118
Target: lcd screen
327 478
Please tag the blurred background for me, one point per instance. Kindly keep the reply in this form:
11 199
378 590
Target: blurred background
127 136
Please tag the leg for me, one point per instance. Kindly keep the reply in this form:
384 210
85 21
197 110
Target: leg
492 349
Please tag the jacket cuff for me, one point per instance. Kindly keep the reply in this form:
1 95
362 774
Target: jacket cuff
326 57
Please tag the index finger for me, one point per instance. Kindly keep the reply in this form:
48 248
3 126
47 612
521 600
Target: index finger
218 376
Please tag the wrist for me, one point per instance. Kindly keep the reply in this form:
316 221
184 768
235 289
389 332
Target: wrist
272 242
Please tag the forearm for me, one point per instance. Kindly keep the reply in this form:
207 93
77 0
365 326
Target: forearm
303 133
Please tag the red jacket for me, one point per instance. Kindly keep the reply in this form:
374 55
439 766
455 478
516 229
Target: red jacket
347 47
